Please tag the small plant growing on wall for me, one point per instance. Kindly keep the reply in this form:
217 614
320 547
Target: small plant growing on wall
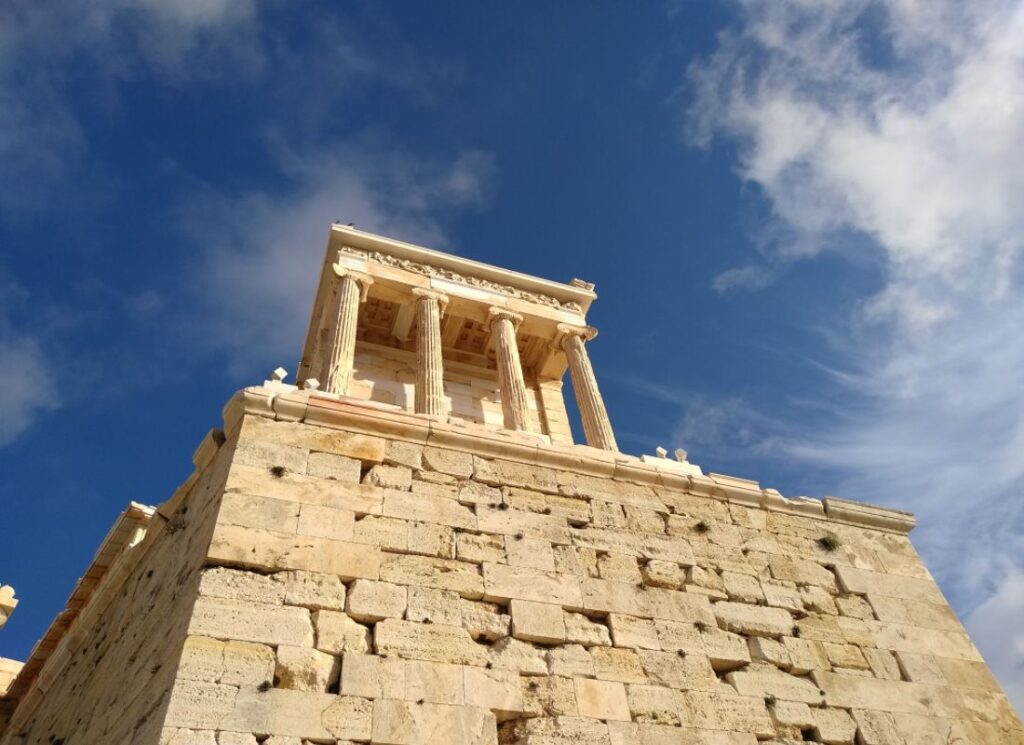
702 527
830 542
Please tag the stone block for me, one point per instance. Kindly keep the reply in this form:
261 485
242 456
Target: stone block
496 690
349 718
805 655
427 642
305 669
452 462
508 473
650 602
485 620
678 635
654 704
266 455
690 671
471 492
559 730
724 711
766 681
236 738
537 622
188 737
582 630
431 539
753 620
336 633
817 600
781 594
515 522
865 582
313 590
601 699
370 601
768 650
433 573
802 572
834 726
882 663
512 654
253 511
232 663
326 522
623 665
434 606
408 454
370 676
570 660
284 712
742 588
503 583
531 553
619 567
389 477
846 656
658 573
265 550
333 466
367 448
406 723
236 584
435 682
919 668
198 705
292 487
428 508
549 696
479 548
725 650
630 631
252 622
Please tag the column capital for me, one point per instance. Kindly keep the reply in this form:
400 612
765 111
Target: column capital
567 331
442 300
363 280
499 314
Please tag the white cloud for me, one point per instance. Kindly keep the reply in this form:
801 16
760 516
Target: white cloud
28 390
901 122
996 627
261 251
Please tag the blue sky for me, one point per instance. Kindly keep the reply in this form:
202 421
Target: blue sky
803 220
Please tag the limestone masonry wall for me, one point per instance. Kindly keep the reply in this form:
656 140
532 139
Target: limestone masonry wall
121 659
397 583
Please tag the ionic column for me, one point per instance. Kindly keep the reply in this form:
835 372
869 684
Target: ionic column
596 426
510 369
430 369
341 338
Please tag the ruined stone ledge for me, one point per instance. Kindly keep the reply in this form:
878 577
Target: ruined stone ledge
283 402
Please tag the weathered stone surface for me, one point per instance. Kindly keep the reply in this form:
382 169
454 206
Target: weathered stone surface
313 590
582 630
767 681
369 601
333 466
234 584
389 477
434 682
349 718
503 583
513 654
405 723
452 462
432 643
753 620
370 676
305 669
252 622
336 633
537 622
601 699
437 574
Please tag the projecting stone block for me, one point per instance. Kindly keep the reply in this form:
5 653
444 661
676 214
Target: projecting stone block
235 619
658 573
753 620
512 654
313 590
369 601
767 681
336 633
305 669
571 661
438 574
431 643
389 477
261 549
370 676
453 462
630 631
496 690
549 696
502 583
484 620
408 454
725 650
537 622
742 587
405 723
601 699
834 726
581 630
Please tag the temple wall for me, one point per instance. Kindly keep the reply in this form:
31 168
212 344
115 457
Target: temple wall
113 685
432 587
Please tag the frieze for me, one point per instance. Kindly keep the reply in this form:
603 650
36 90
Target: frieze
430 270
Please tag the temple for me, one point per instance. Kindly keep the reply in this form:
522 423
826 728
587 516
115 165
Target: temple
407 546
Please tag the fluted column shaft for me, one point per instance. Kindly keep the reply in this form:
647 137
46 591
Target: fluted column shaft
510 368
430 368
597 428
341 340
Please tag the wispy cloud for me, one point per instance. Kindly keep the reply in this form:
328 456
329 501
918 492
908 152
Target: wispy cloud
261 251
900 123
